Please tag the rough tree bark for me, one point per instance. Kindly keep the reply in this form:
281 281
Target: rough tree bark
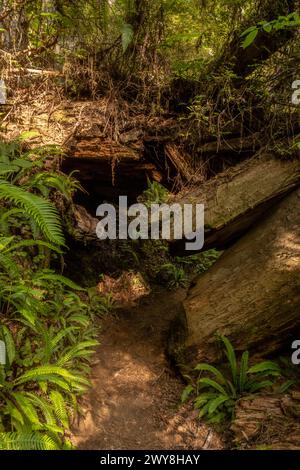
237 198
268 422
252 293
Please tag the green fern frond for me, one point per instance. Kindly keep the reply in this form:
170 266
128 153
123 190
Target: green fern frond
5 216
59 406
230 353
82 350
51 276
16 417
8 168
9 265
30 243
27 441
48 374
44 372
41 211
45 182
26 407
243 370
44 406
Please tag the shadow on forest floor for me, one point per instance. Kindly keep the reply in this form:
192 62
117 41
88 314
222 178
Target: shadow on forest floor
134 400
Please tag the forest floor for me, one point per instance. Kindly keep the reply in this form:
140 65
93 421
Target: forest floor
134 402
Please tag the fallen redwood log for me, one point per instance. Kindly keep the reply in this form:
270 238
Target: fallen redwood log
108 169
113 146
252 292
233 201
237 198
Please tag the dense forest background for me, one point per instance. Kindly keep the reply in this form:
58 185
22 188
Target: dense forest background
162 100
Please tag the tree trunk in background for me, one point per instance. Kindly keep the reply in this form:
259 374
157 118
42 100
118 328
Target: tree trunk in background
252 293
265 44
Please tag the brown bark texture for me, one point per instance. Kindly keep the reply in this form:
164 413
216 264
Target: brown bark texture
237 198
252 293
268 422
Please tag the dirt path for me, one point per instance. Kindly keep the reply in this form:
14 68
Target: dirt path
133 403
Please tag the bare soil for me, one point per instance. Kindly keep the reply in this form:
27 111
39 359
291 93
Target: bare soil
134 402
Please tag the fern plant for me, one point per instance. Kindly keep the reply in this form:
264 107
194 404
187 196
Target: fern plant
42 211
47 356
30 440
154 194
45 182
176 276
26 168
47 321
47 411
217 393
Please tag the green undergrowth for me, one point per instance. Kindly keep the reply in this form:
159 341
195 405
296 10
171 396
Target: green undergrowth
217 389
153 256
48 327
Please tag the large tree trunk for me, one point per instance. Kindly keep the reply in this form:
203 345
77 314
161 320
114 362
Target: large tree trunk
237 198
265 44
252 293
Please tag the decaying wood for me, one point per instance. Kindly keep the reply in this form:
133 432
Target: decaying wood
182 163
107 168
95 147
82 226
251 294
126 290
114 147
268 421
237 198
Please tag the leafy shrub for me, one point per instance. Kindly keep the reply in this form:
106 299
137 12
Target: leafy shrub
154 194
198 263
282 22
174 276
